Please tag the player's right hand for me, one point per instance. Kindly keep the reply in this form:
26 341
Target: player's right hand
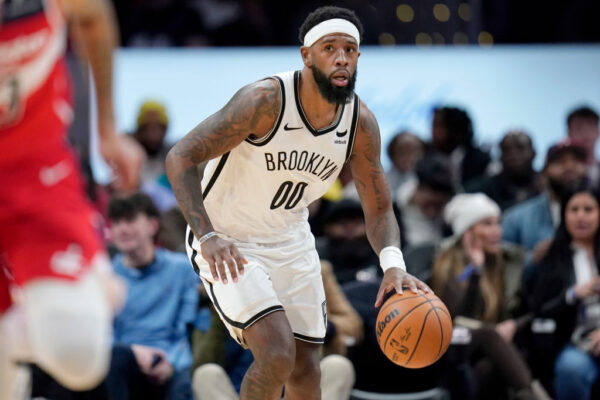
220 253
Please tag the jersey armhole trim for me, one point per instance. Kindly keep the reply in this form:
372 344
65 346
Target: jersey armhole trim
267 138
355 116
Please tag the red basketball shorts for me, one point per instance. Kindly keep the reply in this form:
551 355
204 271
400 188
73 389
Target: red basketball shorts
47 227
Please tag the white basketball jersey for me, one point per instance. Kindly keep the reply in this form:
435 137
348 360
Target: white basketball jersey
259 191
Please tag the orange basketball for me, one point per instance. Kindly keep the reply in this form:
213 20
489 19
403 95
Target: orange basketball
413 330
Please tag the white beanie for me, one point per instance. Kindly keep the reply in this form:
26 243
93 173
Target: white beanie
465 210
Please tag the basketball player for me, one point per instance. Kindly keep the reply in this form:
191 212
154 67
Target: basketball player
273 149
48 242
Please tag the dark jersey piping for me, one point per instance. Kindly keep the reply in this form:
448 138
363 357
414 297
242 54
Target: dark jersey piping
267 138
355 116
315 132
250 321
194 252
213 178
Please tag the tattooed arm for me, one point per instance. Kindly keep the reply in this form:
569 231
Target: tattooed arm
252 111
372 187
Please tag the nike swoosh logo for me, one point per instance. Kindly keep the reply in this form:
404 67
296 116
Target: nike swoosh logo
341 134
50 176
291 128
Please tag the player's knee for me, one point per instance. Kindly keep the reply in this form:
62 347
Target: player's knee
306 369
69 329
278 358
281 360
273 345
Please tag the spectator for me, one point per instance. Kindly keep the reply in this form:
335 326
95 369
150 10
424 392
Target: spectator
583 128
345 244
567 279
531 223
479 279
404 150
151 353
517 181
150 132
452 134
171 234
421 200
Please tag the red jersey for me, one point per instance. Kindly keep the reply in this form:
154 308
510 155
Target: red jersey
35 91
48 227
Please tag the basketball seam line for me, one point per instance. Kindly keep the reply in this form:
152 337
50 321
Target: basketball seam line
419 338
434 308
400 320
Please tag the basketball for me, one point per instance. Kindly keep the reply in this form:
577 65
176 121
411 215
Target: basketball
413 330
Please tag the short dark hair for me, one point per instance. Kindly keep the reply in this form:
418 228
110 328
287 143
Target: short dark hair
397 137
127 207
328 12
433 172
582 112
458 123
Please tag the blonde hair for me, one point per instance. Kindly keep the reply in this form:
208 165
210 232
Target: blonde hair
451 262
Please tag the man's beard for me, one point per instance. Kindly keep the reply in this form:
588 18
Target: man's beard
561 189
331 93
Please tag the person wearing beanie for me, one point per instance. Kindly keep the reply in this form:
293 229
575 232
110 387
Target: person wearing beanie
150 132
479 279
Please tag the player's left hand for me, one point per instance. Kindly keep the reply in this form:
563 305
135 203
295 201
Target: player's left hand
397 278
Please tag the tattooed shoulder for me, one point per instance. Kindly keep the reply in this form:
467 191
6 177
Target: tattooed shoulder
253 110
264 105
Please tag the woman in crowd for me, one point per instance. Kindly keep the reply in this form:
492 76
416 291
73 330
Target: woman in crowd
479 279
566 289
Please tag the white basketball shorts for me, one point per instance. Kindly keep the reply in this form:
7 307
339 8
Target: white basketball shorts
284 276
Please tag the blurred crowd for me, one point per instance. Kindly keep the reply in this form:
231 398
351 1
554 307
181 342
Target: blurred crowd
512 251
160 23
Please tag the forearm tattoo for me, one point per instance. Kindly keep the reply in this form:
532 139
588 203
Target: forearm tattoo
369 177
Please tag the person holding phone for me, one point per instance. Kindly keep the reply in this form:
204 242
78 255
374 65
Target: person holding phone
151 351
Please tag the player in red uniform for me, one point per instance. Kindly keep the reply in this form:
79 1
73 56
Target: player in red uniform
49 248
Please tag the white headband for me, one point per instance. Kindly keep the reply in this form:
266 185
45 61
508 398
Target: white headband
336 25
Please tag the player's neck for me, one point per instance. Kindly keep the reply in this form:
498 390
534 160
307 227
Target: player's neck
320 112
139 257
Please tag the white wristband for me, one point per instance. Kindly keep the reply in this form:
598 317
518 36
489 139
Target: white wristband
207 236
391 257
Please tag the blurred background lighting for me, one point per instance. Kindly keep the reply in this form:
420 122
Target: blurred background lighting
464 11
423 39
387 39
485 38
441 12
405 13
